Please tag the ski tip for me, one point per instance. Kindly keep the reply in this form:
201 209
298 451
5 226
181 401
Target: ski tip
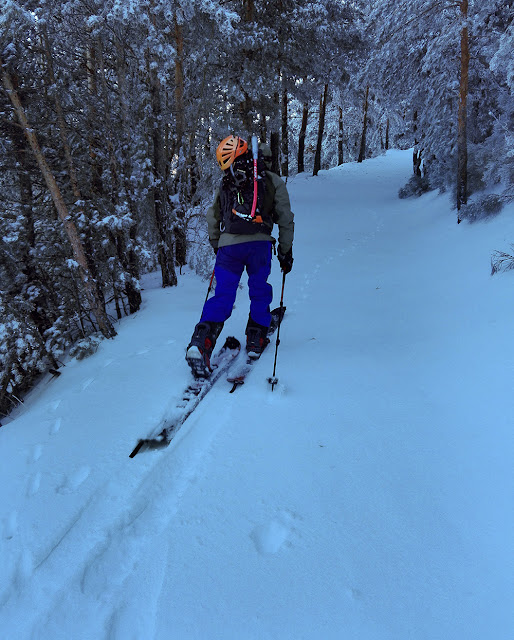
137 449
149 444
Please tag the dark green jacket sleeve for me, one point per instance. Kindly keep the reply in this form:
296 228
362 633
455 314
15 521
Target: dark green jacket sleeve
213 220
284 217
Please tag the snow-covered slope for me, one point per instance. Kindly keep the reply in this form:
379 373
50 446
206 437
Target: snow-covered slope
370 496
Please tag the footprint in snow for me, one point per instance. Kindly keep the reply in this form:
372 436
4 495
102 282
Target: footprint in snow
36 452
34 484
270 537
10 526
73 482
54 405
56 426
354 594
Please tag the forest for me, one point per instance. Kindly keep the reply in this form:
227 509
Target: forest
111 112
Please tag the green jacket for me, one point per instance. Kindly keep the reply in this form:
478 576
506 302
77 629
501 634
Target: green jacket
277 199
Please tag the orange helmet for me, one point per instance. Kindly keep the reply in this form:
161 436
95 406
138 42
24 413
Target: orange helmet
229 149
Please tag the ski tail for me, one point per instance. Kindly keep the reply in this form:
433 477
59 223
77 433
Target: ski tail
238 377
277 315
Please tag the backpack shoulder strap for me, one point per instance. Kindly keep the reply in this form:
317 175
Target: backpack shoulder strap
269 195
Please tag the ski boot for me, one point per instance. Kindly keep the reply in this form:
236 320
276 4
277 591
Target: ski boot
256 339
199 351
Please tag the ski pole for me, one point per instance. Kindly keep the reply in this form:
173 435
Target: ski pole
210 286
274 380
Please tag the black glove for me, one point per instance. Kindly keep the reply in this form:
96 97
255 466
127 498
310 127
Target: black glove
286 260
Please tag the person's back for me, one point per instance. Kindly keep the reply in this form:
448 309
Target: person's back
240 222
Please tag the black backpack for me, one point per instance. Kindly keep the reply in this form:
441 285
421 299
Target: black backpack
236 199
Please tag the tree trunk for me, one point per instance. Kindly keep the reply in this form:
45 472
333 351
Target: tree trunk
462 148
118 238
387 135
69 226
416 162
245 110
340 140
96 168
416 152
193 168
113 163
362 151
285 137
160 198
5 401
275 139
39 306
301 139
186 178
133 291
246 106
42 314
249 9
179 84
126 171
61 122
275 152
321 130
263 128
72 174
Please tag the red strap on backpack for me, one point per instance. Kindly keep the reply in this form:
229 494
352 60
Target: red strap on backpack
255 152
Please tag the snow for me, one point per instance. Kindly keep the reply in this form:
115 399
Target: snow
369 496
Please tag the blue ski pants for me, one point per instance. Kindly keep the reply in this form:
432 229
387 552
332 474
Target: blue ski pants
230 264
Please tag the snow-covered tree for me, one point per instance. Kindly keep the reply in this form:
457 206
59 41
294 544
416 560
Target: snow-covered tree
432 57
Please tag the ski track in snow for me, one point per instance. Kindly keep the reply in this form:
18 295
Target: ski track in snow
125 529
87 383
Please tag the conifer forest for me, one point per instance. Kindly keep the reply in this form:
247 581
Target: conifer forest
111 112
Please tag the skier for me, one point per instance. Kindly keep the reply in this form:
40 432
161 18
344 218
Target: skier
240 223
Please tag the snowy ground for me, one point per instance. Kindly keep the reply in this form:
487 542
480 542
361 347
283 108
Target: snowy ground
370 496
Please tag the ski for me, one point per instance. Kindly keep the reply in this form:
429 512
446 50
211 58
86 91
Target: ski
238 377
190 398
